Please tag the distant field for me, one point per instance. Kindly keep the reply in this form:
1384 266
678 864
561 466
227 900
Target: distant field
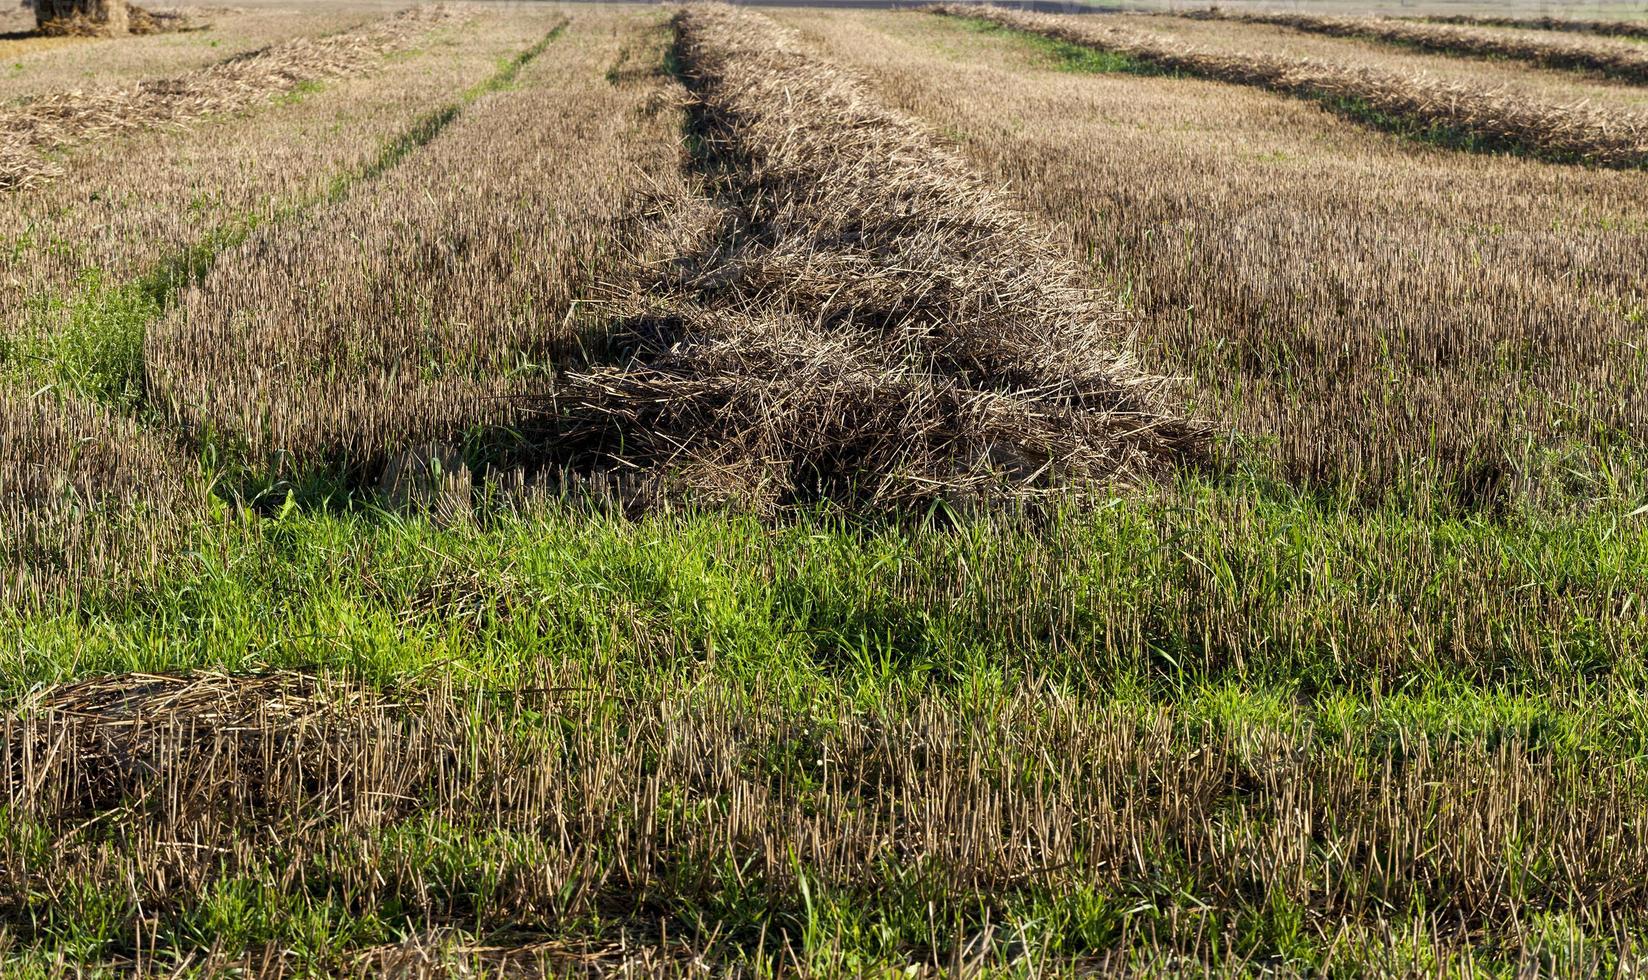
561 489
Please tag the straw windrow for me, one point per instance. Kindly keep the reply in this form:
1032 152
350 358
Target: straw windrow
1614 60
574 802
1482 119
856 315
1606 28
36 128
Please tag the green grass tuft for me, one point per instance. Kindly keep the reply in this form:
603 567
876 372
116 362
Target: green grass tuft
1062 54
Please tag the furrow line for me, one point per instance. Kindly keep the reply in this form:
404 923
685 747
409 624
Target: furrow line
1454 115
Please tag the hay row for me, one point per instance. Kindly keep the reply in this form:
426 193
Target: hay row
84 494
854 314
236 742
1606 28
31 131
1489 119
1623 61
1367 329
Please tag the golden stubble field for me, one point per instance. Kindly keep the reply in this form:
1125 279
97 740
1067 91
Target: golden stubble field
550 489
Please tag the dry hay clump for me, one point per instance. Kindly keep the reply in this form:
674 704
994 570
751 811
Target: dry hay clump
75 24
172 783
32 130
136 20
1489 118
19 165
76 18
141 20
84 496
1626 61
856 315
1607 28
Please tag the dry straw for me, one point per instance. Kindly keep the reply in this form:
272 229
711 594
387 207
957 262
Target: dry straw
412 313
136 20
1615 60
83 494
1366 333
244 743
1490 118
30 132
1606 28
854 314
160 789
130 207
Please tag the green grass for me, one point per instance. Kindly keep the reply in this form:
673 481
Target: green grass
1438 134
90 340
1232 608
1063 55
1188 589
299 92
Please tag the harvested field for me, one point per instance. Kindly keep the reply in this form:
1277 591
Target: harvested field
703 492
85 496
1513 79
132 218
405 315
831 329
1606 28
1474 117
39 65
1365 348
14 46
1609 59
219 758
50 122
